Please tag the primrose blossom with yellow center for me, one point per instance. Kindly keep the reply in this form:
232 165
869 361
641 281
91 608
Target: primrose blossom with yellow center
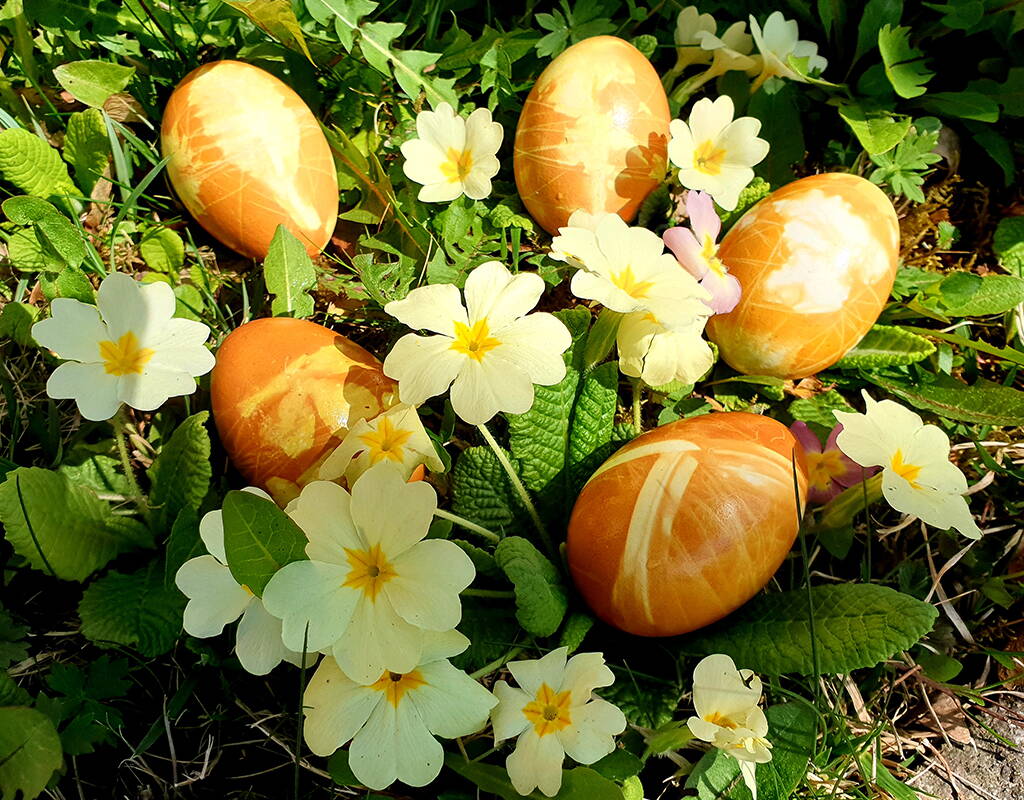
780 46
396 436
690 24
453 155
917 476
696 248
490 350
714 152
130 349
216 599
393 720
554 713
373 591
829 469
728 715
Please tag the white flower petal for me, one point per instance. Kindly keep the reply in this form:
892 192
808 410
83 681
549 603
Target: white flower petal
720 689
584 672
477 184
536 763
89 385
483 135
430 575
335 708
395 744
936 508
215 598
127 305
435 308
507 717
533 673
74 330
377 639
749 771
424 366
492 292
741 143
390 512
312 602
451 703
483 388
591 736
151 389
323 511
440 192
708 119
534 346
423 162
211 527
258 643
871 438
442 127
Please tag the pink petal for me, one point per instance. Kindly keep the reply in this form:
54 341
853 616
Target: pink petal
806 437
822 496
725 291
703 219
687 250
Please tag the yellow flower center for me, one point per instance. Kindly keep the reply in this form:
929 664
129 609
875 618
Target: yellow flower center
549 710
457 165
396 684
626 280
708 159
709 252
386 443
474 341
369 570
823 468
909 472
720 720
124 356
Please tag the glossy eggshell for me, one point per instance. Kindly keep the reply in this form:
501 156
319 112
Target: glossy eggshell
247 154
593 134
285 392
816 260
687 522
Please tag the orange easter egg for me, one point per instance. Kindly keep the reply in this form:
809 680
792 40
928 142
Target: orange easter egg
816 260
593 134
285 392
247 155
686 522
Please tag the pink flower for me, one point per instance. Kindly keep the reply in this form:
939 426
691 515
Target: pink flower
696 249
829 470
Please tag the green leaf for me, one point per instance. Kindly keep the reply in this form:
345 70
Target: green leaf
183 543
855 626
276 19
877 131
12 645
349 10
988 405
989 294
71 282
964 105
30 752
541 597
886 345
791 728
590 436
876 14
53 230
61 527
492 631
1008 245
581 783
575 629
717 777
618 765
289 274
16 321
136 610
259 539
92 82
341 772
818 409
10 693
87 147
1009 94
180 475
782 127
904 64
644 701
162 250
481 492
96 471
33 166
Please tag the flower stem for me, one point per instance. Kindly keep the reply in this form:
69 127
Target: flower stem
601 338
487 669
524 496
638 423
120 437
490 536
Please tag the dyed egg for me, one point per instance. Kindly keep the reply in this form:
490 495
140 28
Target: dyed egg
686 522
816 260
285 392
246 154
593 134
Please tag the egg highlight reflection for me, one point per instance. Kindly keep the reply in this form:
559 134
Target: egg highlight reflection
816 260
247 154
686 522
593 134
284 393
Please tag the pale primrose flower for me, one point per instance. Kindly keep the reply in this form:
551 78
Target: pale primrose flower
453 155
696 249
626 269
779 41
730 51
555 713
396 436
216 599
829 470
372 590
491 351
726 701
392 721
690 24
917 475
658 353
714 152
130 350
